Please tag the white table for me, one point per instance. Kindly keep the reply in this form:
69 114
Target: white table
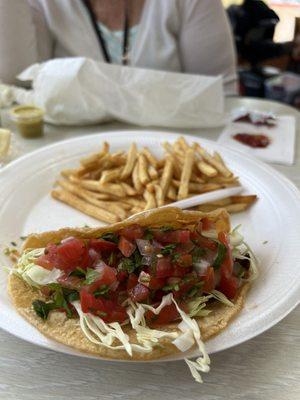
266 367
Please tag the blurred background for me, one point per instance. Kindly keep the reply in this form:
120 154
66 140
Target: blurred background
267 39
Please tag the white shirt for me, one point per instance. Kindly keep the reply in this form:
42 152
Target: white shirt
191 36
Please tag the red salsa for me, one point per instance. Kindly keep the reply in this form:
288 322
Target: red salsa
252 140
140 264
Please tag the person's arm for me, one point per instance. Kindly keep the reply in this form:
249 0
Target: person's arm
205 41
24 37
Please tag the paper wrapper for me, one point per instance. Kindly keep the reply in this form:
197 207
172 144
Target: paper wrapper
83 91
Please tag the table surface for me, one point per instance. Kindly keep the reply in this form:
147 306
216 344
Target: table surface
266 367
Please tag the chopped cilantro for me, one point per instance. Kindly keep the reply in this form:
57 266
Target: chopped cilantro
175 287
168 249
148 235
80 272
13 244
175 257
60 300
103 290
23 237
42 309
111 259
130 264
197 254
166 228
222 251
91 276
110 237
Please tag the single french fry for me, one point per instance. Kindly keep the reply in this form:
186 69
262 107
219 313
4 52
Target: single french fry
152 172
136 209
249 199
222 202
86 183
176 162
118 159
238 207
209 187
112 207
212 161
110 175
114 189
131 158
152 160
129 190
143 174
172 194
81 205
68 172
186 174
150 200
133 201
206 169
183 144
158 194
165 181
136 179
96 156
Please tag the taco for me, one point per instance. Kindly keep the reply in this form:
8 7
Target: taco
142 289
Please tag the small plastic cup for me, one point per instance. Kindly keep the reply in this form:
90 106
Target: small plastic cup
29 120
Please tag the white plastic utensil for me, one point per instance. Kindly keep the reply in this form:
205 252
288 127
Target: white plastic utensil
206 197
201 198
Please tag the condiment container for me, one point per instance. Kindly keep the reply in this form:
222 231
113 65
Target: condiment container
29 120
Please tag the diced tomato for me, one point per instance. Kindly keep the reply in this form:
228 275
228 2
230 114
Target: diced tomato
89 302
186 284
89 258
228 286
206 224
126 247
102 245
139 293
107 276
70 253
185 260
48 260
168 314
108 310
156 283
132 281
164 267
70 282
122 276
177 236
227 265
132 232
179 271
184 247
204 242
209 280
118 314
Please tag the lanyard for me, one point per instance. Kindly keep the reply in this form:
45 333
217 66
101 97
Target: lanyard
101 38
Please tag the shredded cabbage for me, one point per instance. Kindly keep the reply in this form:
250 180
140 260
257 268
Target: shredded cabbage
32 273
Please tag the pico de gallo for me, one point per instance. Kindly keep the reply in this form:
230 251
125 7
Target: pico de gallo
141 265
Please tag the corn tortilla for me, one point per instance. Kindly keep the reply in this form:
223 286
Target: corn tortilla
68 331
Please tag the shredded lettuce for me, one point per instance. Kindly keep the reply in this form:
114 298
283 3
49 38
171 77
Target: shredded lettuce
32 273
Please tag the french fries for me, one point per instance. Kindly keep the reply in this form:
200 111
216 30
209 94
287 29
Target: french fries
112 186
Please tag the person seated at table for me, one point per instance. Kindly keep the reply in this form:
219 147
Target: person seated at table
191 36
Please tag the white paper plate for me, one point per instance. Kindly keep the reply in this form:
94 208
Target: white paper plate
271 227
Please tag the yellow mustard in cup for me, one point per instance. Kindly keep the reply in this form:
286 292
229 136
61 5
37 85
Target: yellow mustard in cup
29 120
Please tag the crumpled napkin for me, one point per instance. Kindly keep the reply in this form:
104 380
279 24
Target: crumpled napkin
83 91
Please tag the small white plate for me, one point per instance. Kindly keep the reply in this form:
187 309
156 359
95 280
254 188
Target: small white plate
271 227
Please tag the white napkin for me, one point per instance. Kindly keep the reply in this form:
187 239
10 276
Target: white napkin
83 91
282 147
